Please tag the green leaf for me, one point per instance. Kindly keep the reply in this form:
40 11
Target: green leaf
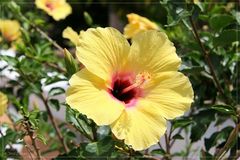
182 13
227 37
103 131
206 155
42 138
177 136
216 137
181 123
14 7
71 134
226 109
193 70
202 121
12 61
10 137
220 21
54 103
74 154
96 150
79 121
103 147
158 152
56 91
236 16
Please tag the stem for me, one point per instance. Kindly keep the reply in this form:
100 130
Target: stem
29 151
167 145
160 145
60 137
173 141
33 139
56 67
54 43
207 59
150 157
170 135
233 135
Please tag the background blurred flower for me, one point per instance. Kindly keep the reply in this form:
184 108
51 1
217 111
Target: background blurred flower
3 103
58 9
132 88
136 24
10 29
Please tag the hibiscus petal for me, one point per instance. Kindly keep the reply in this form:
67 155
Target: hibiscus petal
72 35
61 12
132 29
3 103
173 93
87 93
152 51
103 51
140 126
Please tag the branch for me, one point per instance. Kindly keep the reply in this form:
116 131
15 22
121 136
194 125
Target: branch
207 59
60 137
33 139
29 151
160 146
233 135
173 141
54 43
167 146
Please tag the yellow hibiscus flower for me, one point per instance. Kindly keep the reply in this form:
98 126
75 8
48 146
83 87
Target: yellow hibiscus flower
3 103
138 24
10 29
133 88
58 9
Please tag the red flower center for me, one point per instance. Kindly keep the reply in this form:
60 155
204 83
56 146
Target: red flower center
126 87
50 6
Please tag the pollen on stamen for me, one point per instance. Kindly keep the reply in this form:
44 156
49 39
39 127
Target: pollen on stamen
142 78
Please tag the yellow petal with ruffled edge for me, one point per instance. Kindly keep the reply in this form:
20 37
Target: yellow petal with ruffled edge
152 51
103 51
172 92
138 24
132 29
10 29
70 34
61 12
88 94
134 18
58 9
140 126
3 103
